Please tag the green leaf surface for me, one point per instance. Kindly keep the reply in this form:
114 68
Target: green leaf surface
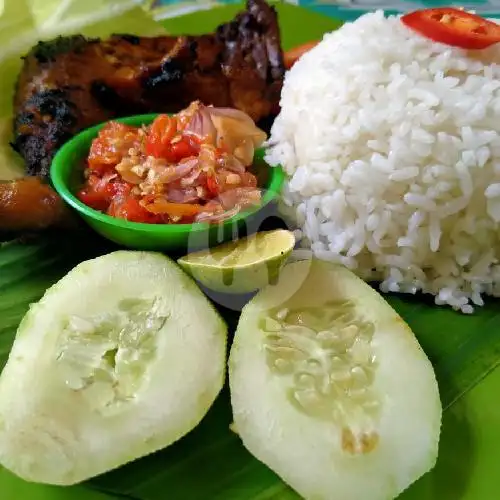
211 463
12 488
28 268
462 348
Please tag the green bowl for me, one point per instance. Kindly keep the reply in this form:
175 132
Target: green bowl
67 176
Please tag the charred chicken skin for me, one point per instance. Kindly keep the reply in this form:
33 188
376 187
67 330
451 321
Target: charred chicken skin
72 83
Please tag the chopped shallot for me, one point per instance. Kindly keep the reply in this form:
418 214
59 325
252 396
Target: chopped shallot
187 167
188 195
217 216
201 125
230 162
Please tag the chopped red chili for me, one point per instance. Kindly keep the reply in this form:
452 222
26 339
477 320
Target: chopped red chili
453 27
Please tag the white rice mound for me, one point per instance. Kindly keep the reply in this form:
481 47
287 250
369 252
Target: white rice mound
391 144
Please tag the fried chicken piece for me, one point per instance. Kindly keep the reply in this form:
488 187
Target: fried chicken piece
29 204
72 83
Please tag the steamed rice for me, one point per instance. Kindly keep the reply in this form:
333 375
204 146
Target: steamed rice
391 144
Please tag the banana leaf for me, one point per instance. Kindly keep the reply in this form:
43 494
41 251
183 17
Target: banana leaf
211 462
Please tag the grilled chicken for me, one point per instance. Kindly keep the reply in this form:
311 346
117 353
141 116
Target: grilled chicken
29 204
71 83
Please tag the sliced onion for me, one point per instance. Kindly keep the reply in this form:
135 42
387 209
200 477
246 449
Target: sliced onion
228 199
235 114
242 197
186 165
201 126
189 195
245 151
190 179
124 168
230 162
166 175
207 157
248 197
239 122
217 216
184 116
237 133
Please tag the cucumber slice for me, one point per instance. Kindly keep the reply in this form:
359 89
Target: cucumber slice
330 389
120 358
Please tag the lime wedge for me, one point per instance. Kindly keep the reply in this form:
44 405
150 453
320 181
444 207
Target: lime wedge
241 266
